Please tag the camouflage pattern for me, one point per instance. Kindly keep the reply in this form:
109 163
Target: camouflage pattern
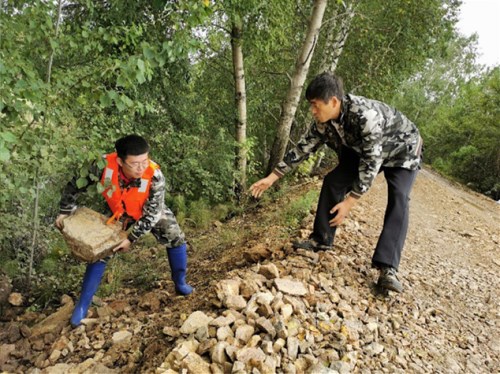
379 134
156 217
167 230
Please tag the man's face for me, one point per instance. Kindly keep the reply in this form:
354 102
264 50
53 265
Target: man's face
134 166
325 111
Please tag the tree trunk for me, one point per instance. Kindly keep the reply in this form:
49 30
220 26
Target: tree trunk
335 40
241 105
296 85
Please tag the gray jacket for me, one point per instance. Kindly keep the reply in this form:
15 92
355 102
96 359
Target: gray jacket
378 133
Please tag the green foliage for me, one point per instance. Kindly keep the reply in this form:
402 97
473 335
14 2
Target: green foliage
456 106
390 41
116 270
56 275
200 214
306 168
178 205
298 209
147 275
11 268
472 140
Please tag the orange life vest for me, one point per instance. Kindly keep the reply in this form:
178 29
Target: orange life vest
132 199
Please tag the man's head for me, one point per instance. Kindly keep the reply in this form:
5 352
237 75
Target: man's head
325 93
133 155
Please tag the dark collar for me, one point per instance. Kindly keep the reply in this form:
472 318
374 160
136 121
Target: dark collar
129 182
343 109
340 120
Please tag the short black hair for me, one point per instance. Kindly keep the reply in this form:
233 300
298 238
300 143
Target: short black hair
131 145
325 86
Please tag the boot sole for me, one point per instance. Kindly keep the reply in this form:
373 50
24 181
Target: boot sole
310 247
390 287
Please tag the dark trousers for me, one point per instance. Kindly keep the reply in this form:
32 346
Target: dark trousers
339 182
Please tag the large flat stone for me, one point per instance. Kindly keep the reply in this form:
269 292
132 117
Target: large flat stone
88 235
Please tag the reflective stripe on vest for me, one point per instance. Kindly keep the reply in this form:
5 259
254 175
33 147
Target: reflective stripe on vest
131 200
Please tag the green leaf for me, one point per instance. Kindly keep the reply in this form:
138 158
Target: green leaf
113 95
4 154
8 136
140 65
84 172
148 52
128 102
120 105
105 100
81 182
100 188
140 77
121 81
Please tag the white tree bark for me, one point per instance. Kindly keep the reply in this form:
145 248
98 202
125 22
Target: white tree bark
296 85
336 39
241 104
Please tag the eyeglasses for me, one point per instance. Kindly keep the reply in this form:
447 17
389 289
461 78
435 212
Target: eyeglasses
138 165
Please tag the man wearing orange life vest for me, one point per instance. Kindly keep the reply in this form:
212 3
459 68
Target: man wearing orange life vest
134 192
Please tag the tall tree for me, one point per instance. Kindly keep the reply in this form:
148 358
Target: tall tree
336 37
390 41
291 101
241 104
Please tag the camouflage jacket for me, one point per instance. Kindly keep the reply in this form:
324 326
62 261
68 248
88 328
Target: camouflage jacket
152 209
379 134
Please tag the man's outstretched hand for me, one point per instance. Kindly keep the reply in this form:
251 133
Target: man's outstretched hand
258 188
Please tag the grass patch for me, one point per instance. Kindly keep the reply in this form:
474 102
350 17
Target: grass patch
11 268
112 281
297 210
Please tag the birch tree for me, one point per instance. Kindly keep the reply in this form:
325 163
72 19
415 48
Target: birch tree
241 103
336 37
289 106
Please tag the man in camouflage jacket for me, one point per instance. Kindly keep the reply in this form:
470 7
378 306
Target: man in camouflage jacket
134 189
369 137
156 217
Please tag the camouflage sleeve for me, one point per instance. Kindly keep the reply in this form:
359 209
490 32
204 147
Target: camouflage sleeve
71 191
309 143
371 152
151 212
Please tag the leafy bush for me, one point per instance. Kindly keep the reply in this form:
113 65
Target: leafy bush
200 214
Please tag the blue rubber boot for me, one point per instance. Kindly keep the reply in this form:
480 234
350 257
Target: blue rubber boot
177 257
91 281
